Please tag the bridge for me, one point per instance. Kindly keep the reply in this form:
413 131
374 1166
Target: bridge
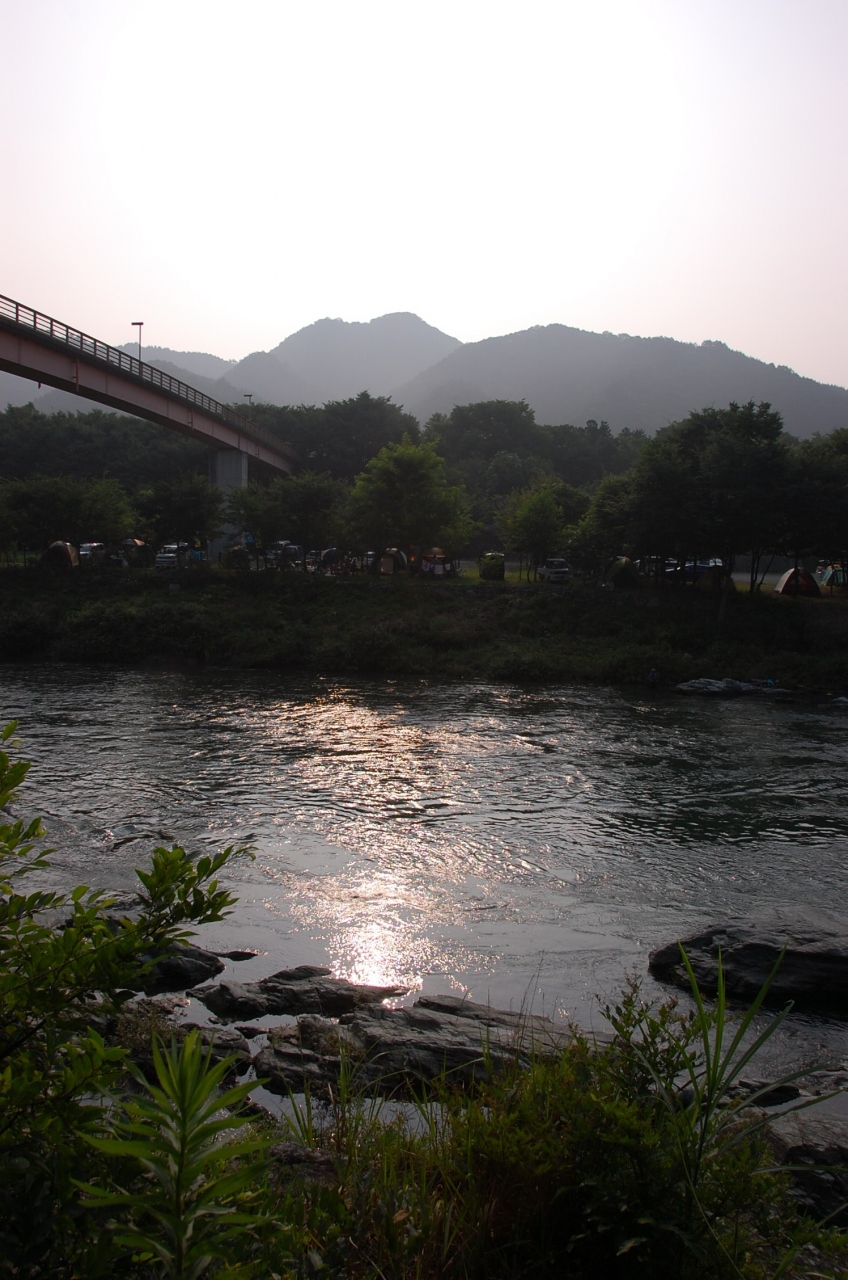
35 346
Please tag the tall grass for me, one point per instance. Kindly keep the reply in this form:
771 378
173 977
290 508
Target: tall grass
634 1158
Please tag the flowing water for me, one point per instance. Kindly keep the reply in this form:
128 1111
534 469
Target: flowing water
528 847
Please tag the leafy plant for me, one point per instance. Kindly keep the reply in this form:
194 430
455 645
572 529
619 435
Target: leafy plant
67 964
188 1208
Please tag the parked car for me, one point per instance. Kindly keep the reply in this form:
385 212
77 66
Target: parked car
284 555
554 570
168 557
693 569
92 552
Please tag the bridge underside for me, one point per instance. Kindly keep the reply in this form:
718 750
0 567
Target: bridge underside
31 358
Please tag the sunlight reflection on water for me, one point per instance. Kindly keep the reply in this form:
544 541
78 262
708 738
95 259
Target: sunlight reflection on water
515 843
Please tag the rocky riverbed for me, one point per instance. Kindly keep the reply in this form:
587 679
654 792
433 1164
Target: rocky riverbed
393 1050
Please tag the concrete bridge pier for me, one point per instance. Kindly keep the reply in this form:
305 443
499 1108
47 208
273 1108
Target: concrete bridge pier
229 471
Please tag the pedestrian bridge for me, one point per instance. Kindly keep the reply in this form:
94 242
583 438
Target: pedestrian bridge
35 346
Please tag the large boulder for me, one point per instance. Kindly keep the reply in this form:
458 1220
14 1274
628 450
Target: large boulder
390 1049
814 1145
813 972
183 966
306 989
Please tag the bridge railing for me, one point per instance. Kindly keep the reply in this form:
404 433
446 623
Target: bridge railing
102 353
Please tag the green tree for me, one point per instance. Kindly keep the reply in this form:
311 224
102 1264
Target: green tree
813 503
709 485
604 531
531 523
403 499
313 505
486 429
183 509
304 508
97 443
41 509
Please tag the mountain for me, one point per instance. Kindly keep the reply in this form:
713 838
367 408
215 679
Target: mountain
336 359
564 374
199 364
571 375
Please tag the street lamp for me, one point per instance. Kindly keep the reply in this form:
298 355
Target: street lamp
248 396
137 324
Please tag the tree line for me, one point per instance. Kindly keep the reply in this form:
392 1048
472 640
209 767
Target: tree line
720 483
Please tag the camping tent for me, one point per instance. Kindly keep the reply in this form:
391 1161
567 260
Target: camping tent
797 582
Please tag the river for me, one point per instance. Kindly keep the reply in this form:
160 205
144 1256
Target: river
527 846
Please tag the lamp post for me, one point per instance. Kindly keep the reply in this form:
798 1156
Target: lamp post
248 396
137 324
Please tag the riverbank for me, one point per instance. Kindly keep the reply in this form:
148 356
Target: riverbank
454 630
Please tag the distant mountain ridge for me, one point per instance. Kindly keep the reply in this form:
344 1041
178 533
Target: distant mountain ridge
572 375
564 374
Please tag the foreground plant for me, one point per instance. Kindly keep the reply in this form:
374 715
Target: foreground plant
634 1158
60 986
183 1214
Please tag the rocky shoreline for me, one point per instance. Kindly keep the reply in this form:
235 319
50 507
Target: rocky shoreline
393 1051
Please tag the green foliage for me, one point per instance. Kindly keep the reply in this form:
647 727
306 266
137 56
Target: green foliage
60 983
342 436
41 509
182 509
497 447
305 508
93 444
605 529
531 522
186 1209
625 1158
708 484
403 499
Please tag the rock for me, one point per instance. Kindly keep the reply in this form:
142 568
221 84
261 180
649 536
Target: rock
813 972
816 1143
305 1055
239 953
145 1018
183 966
389 1049
768 1093
224 1042
249 1030
532 1025
726 688
306 989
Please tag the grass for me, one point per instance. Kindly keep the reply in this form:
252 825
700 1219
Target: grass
451 630
629 1159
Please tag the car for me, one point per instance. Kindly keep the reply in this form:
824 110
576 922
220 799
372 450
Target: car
692 569
92 551
168 557
554 570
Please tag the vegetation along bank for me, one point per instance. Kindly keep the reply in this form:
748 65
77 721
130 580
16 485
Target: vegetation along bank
459 629
725 488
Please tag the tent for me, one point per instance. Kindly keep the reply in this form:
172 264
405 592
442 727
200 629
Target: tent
833 576
61 555
621 572
797 582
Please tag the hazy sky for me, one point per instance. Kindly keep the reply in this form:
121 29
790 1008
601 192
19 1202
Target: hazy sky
231 170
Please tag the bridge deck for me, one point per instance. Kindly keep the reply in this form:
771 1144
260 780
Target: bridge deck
35 346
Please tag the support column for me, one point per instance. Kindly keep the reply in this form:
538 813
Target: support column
229 471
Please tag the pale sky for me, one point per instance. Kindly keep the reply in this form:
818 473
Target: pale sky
231 170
